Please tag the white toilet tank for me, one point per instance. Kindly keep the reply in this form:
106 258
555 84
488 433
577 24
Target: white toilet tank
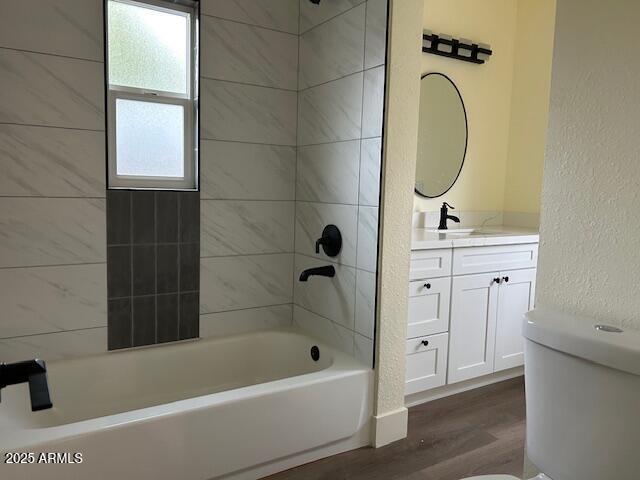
583 398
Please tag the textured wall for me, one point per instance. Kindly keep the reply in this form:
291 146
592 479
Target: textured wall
401 142
340 98
52 186
589 253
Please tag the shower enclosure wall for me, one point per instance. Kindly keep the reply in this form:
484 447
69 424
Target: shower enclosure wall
291 122
291 102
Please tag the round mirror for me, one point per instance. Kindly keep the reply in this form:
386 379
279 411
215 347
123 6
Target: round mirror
442 135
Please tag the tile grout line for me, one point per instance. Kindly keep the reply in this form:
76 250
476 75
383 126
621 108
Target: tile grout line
331 18
247 84
131 265
253 25
155 259
295 177
16 337
35 125
57 55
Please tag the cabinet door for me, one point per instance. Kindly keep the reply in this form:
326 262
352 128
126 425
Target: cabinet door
428 307
515 298
474 301
426 365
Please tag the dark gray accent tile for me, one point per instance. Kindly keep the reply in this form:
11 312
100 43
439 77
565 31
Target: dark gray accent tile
189 315
167 217
144 269
119 323
167 269
190 216
118 217
144 320
118 271
143 217
189 267
167 317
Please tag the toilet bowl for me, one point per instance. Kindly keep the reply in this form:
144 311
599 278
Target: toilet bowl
582 382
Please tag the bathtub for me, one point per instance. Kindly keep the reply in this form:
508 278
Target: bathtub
238 407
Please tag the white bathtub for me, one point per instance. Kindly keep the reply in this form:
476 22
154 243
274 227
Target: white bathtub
238 407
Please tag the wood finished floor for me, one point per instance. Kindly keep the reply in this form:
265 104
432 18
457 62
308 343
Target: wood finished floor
474 433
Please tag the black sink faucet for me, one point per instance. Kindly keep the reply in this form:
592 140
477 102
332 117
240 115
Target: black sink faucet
327 271
444 216
32 371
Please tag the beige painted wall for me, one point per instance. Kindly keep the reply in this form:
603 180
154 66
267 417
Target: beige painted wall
529 105
512 88
400 146
589 254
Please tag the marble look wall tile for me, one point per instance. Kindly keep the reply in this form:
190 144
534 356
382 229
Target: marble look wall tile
333 298
53 91
52 231
333 50
246 227
329 172
244 171
373 103
54 346
233 283
51 162
47 299
365 303
370 171
311 218
246 113
276 14
323 329
245 321
368 238
331 112
242 53
376 43
363 349
65 27
311 15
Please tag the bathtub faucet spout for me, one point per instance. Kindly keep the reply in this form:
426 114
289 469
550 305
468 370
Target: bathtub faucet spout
327 271
35 373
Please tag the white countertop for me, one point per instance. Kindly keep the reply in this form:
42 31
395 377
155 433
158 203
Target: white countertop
424 239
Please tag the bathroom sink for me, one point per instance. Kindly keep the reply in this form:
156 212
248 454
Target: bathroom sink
455 231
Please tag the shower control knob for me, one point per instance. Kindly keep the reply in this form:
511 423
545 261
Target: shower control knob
331 241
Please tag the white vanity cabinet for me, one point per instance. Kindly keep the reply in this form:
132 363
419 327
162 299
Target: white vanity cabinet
473 298
486 322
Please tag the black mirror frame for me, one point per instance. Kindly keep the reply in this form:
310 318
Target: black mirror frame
466 140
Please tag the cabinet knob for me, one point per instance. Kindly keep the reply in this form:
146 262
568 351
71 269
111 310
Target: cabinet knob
496 280
425 343
427 286
506 279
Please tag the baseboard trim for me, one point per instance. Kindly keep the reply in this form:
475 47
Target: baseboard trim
448 390
390 427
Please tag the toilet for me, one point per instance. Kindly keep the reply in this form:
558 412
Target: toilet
583 399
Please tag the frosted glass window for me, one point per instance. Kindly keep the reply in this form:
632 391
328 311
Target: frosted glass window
148 47
149 139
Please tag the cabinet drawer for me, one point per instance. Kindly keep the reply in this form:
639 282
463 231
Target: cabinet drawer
430 263
426 364
428 307
468 260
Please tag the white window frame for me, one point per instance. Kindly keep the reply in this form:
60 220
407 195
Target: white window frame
188 101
